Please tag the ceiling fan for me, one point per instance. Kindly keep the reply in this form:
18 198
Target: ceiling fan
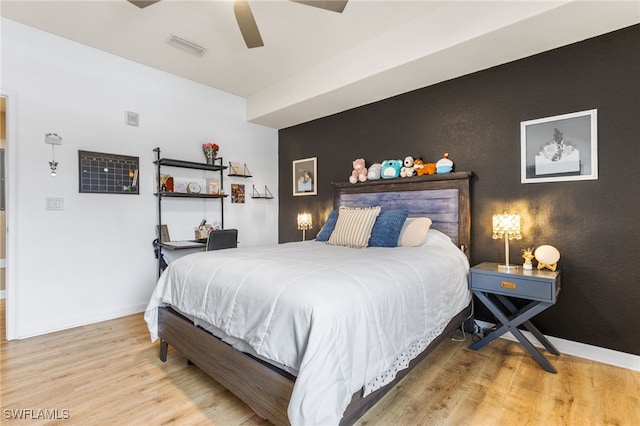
246 21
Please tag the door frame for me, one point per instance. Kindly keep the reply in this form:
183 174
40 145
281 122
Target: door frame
11 188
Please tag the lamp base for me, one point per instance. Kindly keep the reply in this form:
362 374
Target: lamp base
508 268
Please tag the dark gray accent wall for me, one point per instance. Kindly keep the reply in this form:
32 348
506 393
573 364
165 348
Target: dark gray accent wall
476 118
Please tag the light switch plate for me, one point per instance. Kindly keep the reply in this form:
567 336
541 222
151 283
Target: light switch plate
54 203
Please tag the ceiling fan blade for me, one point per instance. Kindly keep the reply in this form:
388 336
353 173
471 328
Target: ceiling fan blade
143 3
247 24
332 5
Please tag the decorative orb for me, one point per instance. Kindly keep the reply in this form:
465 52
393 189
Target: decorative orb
547 254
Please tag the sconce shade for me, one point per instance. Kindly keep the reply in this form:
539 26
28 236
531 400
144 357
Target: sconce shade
304 221
506 224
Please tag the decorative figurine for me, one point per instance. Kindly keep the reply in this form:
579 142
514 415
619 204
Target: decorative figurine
547 257
528 256
444 165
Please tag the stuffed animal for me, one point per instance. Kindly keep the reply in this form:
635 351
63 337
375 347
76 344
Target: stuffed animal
418 166
430 168
374 171
390 169
407 169
444 165
359 173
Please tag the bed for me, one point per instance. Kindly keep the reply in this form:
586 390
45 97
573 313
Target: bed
353 323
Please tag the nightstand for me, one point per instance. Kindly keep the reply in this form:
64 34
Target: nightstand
539 287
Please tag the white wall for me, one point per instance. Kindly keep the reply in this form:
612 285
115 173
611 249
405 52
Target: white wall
94 259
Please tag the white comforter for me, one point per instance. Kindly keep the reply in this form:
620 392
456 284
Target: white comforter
341 317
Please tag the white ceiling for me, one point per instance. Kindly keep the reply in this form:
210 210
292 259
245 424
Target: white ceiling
315 62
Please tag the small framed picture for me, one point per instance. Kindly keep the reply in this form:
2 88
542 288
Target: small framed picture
237 193
163 233
305 172
213 186
560 148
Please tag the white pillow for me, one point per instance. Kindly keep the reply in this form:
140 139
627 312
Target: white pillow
414 232
353 227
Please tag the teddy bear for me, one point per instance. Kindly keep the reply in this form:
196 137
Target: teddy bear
374 171
359 173
390 169
407 169
418 166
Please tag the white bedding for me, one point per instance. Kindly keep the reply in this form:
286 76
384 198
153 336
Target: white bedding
340 317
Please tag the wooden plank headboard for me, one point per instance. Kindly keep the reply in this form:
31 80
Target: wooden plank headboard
444 198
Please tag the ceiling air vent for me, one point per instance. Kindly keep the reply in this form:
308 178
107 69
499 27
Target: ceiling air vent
186 45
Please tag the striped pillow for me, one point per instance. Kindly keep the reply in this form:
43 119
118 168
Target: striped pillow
353 227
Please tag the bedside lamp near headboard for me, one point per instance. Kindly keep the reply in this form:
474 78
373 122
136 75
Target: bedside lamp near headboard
506 226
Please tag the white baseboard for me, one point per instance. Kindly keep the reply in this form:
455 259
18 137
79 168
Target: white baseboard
119 313
582 350
3 294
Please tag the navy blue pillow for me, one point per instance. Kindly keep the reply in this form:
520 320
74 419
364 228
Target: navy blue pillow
327 229
386 230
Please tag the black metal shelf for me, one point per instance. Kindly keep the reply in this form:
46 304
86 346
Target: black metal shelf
267 194
188 195
191 164
159 194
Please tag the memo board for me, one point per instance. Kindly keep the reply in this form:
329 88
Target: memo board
108 173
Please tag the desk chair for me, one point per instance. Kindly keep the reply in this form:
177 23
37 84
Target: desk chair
222 239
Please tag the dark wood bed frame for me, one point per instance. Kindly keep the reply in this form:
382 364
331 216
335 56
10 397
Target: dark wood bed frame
267 389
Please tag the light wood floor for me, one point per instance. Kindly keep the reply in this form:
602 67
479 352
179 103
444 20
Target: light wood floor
109 374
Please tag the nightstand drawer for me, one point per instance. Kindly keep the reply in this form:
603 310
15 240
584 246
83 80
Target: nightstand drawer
513 286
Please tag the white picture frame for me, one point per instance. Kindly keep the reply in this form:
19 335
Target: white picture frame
304 176
560 148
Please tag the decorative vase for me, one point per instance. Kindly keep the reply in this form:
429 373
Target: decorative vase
210 151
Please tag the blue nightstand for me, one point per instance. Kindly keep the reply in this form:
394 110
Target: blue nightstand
540 288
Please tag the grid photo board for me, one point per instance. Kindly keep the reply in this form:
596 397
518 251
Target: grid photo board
108 173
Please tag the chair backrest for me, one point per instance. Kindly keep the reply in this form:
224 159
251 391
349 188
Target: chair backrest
222 239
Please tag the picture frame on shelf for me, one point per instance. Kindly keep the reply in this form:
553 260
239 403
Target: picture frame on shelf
163 233
213 186
560 148
237 168
305 172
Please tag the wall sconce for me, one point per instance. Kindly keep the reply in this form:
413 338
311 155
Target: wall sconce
304 222
53 139
506 226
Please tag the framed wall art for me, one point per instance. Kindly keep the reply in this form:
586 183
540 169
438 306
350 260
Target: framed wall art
237 193
305 172
560 148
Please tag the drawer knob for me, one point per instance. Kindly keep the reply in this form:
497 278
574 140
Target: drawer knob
508 284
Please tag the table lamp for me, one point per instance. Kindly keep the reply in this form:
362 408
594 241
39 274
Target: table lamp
304 223
506 226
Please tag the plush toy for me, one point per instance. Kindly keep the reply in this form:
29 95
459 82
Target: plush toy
418 166
359 173
430 168
407 169
374 171
390 169
444 165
